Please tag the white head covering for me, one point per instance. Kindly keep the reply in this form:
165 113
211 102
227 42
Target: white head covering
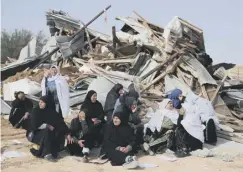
62 88
206 111
53 78
192 122
171 114
156 121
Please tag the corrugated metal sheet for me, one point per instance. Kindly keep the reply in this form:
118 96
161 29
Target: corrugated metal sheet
191 64
172 82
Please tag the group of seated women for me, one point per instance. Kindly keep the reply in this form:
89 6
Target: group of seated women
181 124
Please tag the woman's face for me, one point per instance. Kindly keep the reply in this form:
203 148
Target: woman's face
169 105
133 108
121 92
42 104
93 98
116 121
81 115
21 96
53 71
180 97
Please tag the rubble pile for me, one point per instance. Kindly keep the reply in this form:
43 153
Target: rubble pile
155 60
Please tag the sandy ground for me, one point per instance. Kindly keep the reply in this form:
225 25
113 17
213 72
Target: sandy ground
67 163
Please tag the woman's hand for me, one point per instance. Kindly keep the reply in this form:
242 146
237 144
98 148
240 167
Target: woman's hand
125 150
95 120
26 115
46 73
122 149
81 143
50 127
70 139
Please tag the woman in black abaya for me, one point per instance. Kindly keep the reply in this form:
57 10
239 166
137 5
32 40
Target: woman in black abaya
94 113
118 142
111 99
47 129
81 137
21 108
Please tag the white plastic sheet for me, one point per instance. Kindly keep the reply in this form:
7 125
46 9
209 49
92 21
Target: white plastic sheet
167 158
12 154
147 165
25 85
28 51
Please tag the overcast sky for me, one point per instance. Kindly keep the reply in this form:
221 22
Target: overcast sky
221 20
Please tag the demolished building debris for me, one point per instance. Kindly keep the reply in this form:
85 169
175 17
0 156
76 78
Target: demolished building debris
156 60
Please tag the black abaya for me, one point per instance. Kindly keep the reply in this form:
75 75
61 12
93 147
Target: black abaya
115 137
49 141
210 134
19 108
94 110
110 102
184 142
78 132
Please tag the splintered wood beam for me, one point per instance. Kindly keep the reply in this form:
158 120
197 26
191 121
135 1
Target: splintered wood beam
88 38
158 67
113 61
114 51
218 88
168 70
204 92
115 39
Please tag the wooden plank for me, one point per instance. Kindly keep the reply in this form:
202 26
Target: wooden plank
115 39
223 110
87 24
169 69
218 88
88 38
114 51
113 61
204 92
158 67
240 116
154 38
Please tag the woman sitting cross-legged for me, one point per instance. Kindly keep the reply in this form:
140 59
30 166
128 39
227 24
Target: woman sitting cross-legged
20 111
118 142
159 130
94 113
47 130
81 137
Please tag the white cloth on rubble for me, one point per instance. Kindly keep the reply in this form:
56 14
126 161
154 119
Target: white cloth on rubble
62 88
192 122
206 111
156 121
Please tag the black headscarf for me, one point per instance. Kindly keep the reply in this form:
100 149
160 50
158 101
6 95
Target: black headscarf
121 135
125 106
48 116
111 97
19 108
93 110
44 99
